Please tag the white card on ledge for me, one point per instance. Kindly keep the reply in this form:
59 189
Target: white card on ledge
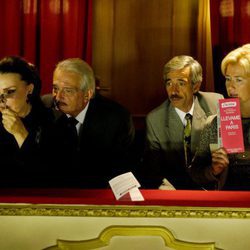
124 184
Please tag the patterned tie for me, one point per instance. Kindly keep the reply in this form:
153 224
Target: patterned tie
187 139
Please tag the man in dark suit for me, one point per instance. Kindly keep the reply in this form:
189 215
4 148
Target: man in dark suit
165 155
94 135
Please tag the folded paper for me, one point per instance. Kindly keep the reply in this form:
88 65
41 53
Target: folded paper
126 185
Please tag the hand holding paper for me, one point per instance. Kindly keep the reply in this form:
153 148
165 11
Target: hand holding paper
220 161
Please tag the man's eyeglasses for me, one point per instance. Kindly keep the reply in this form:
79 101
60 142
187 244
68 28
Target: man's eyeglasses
179 83
65 91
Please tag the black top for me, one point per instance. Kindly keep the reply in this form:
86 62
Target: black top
23 167
239 167
103 149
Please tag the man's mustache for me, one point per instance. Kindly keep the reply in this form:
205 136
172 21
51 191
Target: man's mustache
56 104
174 96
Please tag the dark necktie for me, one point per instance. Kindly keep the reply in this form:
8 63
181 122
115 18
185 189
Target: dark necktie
71 123
187 139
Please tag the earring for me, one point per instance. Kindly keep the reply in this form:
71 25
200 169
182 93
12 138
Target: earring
29 97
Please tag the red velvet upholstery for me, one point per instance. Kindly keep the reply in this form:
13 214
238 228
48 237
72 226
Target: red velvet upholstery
106 197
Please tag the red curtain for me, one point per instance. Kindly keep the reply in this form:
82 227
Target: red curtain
45 32
230 22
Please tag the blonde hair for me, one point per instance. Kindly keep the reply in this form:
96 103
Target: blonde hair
241 56
246 46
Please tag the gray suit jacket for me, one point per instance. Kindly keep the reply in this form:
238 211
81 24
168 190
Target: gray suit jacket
164 155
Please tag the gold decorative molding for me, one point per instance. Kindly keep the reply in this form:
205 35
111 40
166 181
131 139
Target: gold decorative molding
123 211
108 233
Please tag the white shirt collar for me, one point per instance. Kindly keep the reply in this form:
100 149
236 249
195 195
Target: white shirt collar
182 114
80 117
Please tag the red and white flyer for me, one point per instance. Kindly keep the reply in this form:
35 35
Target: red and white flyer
230 125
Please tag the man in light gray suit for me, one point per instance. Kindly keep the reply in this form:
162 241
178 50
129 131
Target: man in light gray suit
165 153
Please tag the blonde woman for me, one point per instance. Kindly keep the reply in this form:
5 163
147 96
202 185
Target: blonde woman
220 170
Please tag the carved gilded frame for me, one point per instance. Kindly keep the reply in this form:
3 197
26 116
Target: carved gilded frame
108 233
126 211
123 211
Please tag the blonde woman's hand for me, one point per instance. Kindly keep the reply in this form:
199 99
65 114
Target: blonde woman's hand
220 161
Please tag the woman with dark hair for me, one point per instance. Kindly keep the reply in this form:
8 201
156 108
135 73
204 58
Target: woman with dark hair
24 123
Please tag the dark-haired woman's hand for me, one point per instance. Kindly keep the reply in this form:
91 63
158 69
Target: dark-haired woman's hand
14 125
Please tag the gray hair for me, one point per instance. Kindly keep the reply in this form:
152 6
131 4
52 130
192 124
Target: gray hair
80 67
180 62
240 55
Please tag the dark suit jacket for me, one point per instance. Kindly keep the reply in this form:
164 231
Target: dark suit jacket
103 151
164 156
